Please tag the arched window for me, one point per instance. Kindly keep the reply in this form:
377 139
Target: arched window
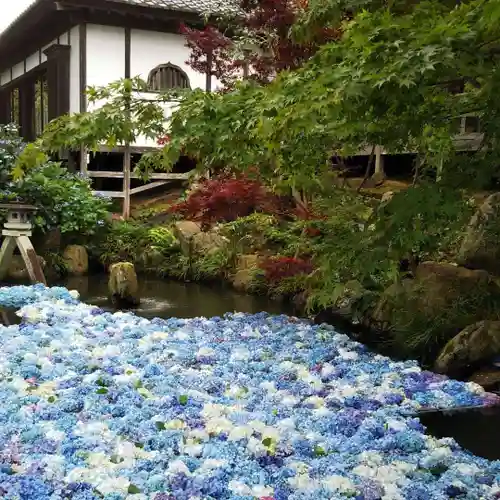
167 76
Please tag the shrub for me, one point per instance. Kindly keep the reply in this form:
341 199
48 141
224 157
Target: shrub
225 199
10 147
277 269
131 241
65 201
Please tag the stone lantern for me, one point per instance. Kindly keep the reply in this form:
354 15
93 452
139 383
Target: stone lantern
16 232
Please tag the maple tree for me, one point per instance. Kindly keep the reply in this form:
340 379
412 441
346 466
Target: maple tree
226 198
277 269
262 40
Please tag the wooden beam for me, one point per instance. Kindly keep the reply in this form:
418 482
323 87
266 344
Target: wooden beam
147 187
107 174
168 176
104 174
109 194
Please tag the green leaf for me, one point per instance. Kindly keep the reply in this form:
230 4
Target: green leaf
102 390
133 490
319 451
183 399
160 426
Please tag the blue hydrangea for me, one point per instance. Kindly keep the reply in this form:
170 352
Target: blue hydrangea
100 405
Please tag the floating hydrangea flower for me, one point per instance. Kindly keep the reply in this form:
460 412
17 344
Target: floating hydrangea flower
99 405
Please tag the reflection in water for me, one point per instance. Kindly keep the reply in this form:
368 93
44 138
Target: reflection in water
9 317
165 298
475 430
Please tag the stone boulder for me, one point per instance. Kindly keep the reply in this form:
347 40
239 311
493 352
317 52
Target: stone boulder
489 378
184 231
480 248
17 268
193 240
436 290
244 276
150 259
476 344
76 259
123 287
205 243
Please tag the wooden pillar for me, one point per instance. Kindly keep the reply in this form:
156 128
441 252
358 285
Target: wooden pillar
58 76
5 107
126 181
208 79
379 160
27 109
84 160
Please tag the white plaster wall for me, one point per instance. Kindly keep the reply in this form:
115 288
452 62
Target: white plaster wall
32 61
74 70
151 48
18 70
148 50
105 54
5 77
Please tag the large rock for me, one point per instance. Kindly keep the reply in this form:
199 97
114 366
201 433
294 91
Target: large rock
151 259
208 242
184 231
17 268
76 259
244 276
489 378
193 240
438 291
123 287
473 345
480 247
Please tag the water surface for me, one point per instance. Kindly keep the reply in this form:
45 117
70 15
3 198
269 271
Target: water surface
167 298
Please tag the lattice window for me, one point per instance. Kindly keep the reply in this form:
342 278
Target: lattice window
167 76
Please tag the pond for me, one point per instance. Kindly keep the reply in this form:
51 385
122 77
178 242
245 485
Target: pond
167 298
474 429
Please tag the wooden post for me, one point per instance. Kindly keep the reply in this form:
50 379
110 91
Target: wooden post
126 181
30 260
379 160
83 160
208 75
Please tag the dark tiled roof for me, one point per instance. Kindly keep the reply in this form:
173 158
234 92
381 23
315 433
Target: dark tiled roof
215 7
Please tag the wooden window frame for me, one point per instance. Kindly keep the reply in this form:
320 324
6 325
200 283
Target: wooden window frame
166 66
